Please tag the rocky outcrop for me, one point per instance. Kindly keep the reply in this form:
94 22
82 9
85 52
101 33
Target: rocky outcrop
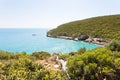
88 40
98 41
65 37
49 35
83 37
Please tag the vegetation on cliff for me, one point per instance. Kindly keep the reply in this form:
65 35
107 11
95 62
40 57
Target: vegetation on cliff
107 27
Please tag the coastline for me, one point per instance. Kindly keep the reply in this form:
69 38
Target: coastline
99 41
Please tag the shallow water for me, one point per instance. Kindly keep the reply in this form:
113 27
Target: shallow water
31 40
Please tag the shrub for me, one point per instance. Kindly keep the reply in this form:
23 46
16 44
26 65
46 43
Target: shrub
114 45
40 55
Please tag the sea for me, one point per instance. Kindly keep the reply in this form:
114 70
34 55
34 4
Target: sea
35 40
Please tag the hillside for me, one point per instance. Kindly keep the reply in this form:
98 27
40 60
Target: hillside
107 27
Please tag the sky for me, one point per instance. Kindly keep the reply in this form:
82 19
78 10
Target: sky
52 13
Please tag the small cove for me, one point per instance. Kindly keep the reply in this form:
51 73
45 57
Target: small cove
34 40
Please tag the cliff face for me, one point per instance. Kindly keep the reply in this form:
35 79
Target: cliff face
107 27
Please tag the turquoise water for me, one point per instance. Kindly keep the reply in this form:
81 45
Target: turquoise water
19 40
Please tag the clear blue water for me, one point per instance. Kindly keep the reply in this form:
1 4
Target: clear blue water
19 40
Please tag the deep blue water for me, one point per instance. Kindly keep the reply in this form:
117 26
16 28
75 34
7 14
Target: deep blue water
19 40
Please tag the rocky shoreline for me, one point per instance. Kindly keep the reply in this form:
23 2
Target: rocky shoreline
85 38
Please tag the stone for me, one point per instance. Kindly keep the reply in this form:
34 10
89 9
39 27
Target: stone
83 37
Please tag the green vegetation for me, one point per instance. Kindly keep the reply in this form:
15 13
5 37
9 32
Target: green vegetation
22 66
40 55
114 45
97 64
107 27
94 64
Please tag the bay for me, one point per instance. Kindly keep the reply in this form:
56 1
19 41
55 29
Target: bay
35 40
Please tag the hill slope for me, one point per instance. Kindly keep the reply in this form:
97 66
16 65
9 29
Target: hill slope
107 27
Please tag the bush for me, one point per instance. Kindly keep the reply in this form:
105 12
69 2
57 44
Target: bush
81 50
40 55
114 45
6 55
94 64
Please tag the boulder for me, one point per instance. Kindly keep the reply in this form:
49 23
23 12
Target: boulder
83 37
48 34
89 40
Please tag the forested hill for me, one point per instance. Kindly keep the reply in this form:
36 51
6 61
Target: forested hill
107 27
